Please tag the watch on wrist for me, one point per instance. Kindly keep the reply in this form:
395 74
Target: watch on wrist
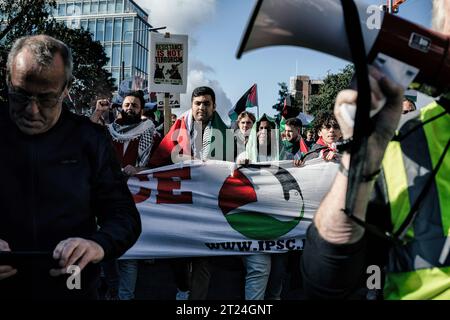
344 145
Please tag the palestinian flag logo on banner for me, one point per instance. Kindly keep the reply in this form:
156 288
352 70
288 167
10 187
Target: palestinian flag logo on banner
238 194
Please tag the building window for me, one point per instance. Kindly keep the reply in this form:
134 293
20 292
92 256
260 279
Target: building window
69 9
100 30
72 9
84 24
116 56
102 7
94 7
141 32
127 73
61 9
115 75
141 57
119 6
108 51
127 57
108 30
145 61
117 29
91 27
127 30
127 6
135 54
86 7
111 6
73 23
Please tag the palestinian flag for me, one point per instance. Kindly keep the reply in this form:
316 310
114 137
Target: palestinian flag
177 140
248 100
288 110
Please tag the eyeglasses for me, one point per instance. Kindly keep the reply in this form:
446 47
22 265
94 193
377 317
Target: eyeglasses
329 126
44 101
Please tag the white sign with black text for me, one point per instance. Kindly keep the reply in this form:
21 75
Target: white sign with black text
168 63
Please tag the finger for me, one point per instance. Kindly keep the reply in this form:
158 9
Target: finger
346 96
70 246
4 275
4 246
76 255
57 272
87 258
392 90
4 269
58 250
377 97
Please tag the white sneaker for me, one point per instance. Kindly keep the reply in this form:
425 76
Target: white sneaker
182 295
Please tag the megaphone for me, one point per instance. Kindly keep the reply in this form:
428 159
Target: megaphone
320 25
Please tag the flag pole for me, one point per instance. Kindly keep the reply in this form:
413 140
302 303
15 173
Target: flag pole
257 111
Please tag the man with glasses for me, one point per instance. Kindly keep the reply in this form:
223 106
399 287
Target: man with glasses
329 133
63 199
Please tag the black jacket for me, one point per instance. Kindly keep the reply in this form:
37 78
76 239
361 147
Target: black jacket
63 183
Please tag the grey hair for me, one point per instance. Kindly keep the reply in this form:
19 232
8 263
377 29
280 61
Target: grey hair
44 49
438 18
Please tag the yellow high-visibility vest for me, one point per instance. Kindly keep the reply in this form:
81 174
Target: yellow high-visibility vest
420 267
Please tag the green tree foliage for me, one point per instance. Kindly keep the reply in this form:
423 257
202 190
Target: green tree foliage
333 83
91 81
282 93
28 17
21 17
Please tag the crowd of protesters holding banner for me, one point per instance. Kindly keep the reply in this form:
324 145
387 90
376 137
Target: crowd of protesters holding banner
138 146
99 224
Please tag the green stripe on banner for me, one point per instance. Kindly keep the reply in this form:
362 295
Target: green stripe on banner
437 137
397 186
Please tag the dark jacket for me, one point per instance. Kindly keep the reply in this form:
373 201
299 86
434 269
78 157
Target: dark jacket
63 183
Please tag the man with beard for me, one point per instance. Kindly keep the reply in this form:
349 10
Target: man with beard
195 135
198 134
133 140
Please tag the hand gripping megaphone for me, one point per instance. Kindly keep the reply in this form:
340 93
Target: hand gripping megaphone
320 25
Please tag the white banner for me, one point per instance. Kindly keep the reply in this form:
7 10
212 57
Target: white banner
216 208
